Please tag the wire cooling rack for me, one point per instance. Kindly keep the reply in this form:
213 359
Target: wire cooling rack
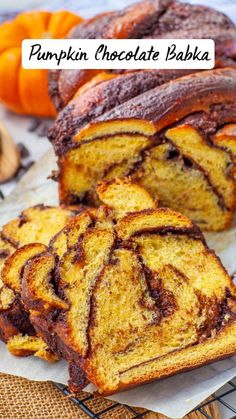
94 407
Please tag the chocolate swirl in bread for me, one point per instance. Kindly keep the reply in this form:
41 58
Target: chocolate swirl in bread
35 225
159 130
130 293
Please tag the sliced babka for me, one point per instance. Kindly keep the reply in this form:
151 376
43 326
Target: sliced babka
136 296
167 138
147 19
35 225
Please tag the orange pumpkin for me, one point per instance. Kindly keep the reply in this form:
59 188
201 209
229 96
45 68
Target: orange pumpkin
21 90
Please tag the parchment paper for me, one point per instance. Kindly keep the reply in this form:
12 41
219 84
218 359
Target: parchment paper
173 396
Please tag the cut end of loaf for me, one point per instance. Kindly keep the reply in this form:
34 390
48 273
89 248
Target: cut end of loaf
145 298
181 169
167 140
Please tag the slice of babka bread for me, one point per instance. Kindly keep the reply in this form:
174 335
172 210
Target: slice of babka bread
166 139
64 243
35 225
136 296
147 19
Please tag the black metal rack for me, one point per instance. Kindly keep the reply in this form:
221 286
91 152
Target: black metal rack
84 403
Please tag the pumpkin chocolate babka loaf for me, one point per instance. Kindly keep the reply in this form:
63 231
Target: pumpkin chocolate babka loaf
130 293
167 138
35 225
147 19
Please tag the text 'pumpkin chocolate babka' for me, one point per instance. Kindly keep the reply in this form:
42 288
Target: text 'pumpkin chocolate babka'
130 293
162 127
35 225
165 137
147 19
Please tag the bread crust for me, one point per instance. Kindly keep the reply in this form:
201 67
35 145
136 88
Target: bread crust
147 19
161 105
195 105
102 96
